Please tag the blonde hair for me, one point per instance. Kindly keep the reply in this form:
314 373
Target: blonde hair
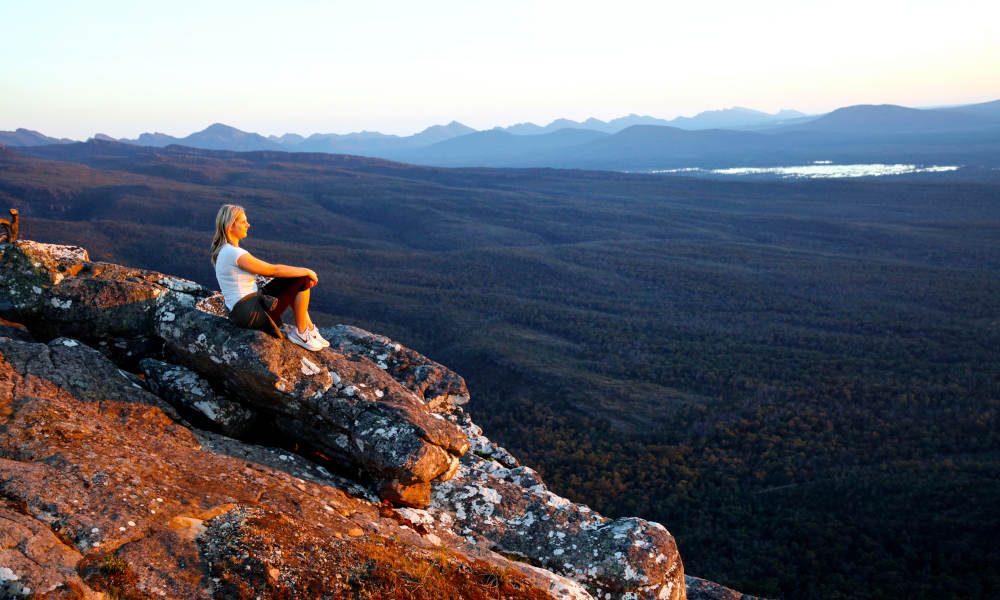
223 219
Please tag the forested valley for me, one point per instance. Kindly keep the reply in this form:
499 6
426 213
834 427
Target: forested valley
801 380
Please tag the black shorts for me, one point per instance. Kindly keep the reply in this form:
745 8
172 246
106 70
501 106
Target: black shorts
262 310
252 312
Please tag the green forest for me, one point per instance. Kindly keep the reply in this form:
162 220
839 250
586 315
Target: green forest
800 380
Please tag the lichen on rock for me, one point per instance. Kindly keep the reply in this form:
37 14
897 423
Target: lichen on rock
510 509
187 390
440 387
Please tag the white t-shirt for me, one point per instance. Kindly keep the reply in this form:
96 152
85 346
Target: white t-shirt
234 282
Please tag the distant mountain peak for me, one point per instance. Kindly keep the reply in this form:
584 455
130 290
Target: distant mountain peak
221 129
453 126
440 133
866 107
29 137
891 119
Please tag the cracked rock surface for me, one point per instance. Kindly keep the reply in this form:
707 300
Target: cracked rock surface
34 560
184 387
92 469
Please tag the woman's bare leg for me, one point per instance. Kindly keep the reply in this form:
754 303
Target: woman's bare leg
300 310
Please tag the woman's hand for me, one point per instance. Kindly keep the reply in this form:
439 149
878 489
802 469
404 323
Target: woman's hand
313 279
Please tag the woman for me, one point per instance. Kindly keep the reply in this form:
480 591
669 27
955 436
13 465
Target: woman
235 269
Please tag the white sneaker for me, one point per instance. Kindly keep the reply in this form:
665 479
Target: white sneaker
304 339
314 333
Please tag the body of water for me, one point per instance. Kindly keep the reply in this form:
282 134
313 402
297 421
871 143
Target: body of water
820 169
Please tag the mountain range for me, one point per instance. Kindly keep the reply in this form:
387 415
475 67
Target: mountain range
968 134
223 137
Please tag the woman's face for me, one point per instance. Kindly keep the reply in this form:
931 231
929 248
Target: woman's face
238 229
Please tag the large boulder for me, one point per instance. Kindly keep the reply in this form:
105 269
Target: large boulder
343 406
56 290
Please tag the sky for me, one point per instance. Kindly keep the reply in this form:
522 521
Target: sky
73 69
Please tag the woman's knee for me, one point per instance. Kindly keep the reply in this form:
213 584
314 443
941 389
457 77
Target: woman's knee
303 283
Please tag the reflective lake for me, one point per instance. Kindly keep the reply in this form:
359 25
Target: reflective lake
817 170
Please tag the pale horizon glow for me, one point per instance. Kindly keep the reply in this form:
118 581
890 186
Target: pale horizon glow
75 69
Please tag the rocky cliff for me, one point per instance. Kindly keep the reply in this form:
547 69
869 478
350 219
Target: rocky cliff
150 449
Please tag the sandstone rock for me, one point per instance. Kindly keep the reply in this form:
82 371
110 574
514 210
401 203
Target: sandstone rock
440 387
29 263
480 445
402 493
343 406
74 369
188 391
57 291
91 469
254 552
506 505
34 561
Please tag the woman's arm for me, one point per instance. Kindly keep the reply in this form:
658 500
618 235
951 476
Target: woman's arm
258 267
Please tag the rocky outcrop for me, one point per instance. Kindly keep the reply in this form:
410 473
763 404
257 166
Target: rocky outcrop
344 406
57 290
104 491
507 507
112 465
